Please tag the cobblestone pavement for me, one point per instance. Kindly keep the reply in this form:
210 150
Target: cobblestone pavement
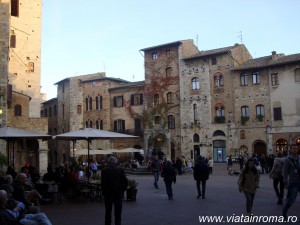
153 207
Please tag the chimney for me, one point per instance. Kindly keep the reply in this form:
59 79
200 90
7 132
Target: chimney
274 55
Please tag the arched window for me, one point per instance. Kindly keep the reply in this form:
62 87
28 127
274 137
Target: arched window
170 99
98 124
218 80
281 145
221 81
218 133
196 138
195 83
97 103
245 111
220 111
260 110
18 110
171 122
169 72
50 111
101 124
88 103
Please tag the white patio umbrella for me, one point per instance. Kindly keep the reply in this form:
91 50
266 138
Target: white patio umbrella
126 150
94 151
12 134
90 134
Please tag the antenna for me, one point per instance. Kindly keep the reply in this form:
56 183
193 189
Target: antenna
132 77
197 40
241 36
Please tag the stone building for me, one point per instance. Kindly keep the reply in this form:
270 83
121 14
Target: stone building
82 101
127 110
25 51
213 103
207 102
267 94
163 64
20 77
4 44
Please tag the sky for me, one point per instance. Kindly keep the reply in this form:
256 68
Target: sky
84 37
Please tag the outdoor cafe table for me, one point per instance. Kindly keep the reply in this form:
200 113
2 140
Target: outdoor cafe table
92 188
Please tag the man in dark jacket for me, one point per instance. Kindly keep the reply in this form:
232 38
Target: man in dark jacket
201 174
291 178
113 183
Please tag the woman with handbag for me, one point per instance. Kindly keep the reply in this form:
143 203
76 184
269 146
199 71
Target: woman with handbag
276 174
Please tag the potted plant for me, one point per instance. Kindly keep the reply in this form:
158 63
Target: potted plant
131 190
244 119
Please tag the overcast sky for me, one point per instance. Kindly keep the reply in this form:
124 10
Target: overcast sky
83 37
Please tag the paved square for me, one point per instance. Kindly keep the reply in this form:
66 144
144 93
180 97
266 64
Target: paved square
153 207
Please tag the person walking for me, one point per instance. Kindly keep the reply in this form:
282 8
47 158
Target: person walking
248 183
277 175
291 178
229 165
113 182
201 175
156 169
169 175
210 165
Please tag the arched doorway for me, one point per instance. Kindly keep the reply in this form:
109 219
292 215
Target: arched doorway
260 148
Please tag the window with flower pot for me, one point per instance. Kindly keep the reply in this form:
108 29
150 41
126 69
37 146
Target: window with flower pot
260 112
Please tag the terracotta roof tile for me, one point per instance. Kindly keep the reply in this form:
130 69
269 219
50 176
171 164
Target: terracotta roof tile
267 61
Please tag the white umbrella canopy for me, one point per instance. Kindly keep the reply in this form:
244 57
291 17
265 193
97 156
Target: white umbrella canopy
10 134
94 152
126 150
16 133
90 134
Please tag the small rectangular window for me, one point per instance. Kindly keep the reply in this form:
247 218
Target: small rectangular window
274 79
79 109
255 78
118 101
214 60
244 79
13 41
31 67
168 54
14 8
277 113
154 56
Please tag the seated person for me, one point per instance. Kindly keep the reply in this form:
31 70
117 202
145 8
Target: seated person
31 198
15 210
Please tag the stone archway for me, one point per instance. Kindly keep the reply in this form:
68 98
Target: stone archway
260 148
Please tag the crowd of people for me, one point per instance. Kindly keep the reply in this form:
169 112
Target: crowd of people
20 202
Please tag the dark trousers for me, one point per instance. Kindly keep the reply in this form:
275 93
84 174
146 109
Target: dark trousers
203 182
110 201
169 188
279 192
293 190
249 201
